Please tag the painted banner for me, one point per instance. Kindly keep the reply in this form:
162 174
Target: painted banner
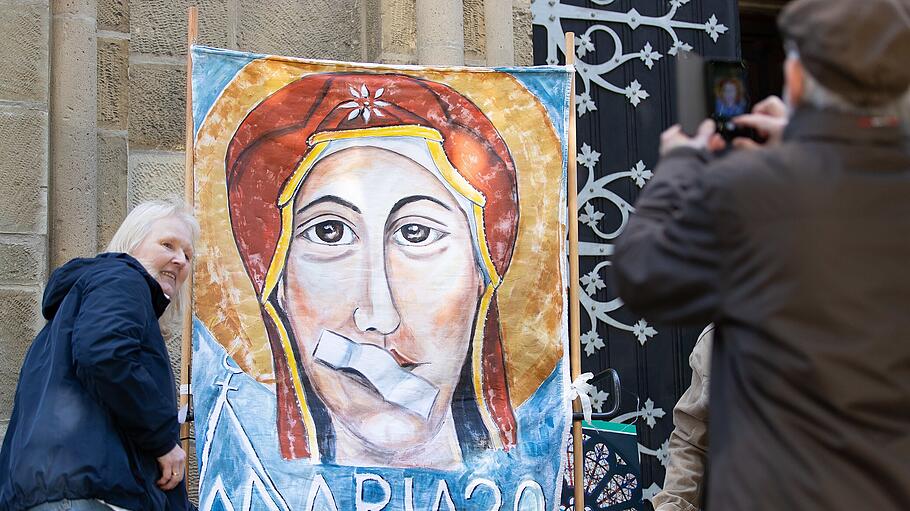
380 306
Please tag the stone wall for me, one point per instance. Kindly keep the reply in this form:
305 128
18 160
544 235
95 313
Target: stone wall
24 58
101 114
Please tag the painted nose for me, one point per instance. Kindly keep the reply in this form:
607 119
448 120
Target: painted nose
377 312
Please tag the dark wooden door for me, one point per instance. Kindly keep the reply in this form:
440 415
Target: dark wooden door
625 53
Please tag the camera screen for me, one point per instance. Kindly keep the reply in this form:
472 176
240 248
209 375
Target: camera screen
727 89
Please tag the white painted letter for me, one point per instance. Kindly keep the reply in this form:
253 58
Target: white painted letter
316 487
371 506
537 501
497 493
408 494
443 490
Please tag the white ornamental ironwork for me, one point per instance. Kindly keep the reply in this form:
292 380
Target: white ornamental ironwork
550 15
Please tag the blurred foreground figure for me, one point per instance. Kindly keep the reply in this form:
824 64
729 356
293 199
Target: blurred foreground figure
798 253
684 481
94 424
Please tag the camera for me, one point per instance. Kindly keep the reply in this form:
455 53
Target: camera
715 89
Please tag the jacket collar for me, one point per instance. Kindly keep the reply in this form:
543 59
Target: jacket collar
160 301
813 124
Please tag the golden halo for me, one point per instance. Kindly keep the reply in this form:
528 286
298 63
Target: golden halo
530 298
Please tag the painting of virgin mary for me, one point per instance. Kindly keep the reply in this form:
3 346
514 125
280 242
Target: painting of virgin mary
380 285
380 210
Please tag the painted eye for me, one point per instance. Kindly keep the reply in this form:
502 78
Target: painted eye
417 235
330 232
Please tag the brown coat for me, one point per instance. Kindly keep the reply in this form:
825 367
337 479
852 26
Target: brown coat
684 481
800 255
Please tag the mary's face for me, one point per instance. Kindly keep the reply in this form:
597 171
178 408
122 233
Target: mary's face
381 254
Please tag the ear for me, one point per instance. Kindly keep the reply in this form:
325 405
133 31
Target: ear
794 79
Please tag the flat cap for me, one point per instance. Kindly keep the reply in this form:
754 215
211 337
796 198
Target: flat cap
859 49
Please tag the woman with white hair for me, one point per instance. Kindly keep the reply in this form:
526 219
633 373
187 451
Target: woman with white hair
94 423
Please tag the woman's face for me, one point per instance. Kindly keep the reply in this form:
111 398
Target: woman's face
166 252
381 254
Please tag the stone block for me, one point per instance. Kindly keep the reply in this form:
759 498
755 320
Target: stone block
158 27
325 29
112 185
74 112
154 175
372 21
391 31
23 259
113 83
20 321
173 341
114 15
23 165
521 28
77 8
157 98
474 33
192 475
440 33
23 52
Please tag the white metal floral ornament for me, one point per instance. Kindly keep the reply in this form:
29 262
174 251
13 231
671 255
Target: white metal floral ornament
550 13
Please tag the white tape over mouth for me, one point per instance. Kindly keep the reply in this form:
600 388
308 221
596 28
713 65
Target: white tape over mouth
379 369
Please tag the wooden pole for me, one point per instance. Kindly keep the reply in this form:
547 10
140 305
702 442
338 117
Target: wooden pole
186 351
578 454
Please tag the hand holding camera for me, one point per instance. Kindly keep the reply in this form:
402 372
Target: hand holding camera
713 109
768 119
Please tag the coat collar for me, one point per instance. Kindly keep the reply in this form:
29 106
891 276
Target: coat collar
813 124
160 301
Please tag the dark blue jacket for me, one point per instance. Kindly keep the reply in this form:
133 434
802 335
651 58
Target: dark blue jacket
95 405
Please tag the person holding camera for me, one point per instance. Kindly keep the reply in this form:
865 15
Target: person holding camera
797 251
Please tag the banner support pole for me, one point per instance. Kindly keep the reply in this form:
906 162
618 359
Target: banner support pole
578 454
186 351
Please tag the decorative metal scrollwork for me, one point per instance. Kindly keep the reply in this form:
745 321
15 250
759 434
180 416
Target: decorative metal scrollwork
550 14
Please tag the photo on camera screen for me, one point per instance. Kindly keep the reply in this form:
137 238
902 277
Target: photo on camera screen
727 89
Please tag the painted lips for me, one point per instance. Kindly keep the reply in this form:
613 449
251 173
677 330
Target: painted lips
403 360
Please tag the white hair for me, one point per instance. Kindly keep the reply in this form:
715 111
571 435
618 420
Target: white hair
822 98
133 231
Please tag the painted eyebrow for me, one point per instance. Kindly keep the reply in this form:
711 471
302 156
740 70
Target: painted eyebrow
414 198
329 198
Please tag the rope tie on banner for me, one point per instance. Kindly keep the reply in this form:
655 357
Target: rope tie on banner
185 408
582 390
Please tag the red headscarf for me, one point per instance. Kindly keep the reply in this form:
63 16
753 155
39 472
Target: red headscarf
276 136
